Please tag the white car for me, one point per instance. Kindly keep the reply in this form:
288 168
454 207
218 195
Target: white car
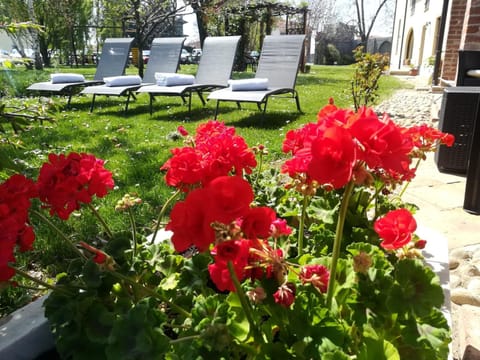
185 57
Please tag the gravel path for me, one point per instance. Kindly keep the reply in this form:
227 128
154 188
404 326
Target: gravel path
409 107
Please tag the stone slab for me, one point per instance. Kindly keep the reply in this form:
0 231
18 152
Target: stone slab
25 334
436 256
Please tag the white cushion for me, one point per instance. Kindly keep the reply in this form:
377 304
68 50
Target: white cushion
173 79
124 80
66 78
474 73
249 84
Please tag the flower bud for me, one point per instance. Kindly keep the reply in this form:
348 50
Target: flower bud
256 295
362 262
285 295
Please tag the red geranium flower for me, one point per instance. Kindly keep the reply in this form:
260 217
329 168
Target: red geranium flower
224 200
395 229
257 223
425 138
67 181
333 157
383 145
280 227
15 195
234 251
285 295
190 222
184 168
317 275
217 151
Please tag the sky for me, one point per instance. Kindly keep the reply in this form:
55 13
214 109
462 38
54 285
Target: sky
190 28
383 25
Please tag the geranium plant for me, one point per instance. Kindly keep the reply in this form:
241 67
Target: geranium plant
316 258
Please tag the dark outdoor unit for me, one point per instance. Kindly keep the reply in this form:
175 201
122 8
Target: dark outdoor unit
471 202
458 115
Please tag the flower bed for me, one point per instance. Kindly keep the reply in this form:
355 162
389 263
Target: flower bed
316 259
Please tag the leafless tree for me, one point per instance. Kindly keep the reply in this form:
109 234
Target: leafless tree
366 18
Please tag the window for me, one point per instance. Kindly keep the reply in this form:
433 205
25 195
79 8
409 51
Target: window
427 5
412 7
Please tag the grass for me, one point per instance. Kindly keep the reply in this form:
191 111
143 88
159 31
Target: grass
136 144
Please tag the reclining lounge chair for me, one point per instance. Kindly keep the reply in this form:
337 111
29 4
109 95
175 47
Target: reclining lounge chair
276 74
113 61
164 58
213 72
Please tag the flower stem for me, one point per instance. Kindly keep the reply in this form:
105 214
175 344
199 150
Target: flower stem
259 168
41 282
338 241
301 226
162 212
134 233
150 292
104 224
185 338
58 231
245 304
408 182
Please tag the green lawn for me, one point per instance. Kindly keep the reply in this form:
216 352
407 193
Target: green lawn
136 144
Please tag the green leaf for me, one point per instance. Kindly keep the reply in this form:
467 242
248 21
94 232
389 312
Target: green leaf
417 289
92 274
374 347
237 323
378 350
434 336
138 333
170 282
329 351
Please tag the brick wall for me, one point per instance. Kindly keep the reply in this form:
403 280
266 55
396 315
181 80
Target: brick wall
454 38
471 35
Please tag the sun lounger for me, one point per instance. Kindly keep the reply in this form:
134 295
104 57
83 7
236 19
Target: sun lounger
164 58
276 73
113 61
213 72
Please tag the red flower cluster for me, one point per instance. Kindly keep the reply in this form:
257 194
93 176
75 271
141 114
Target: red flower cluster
395 229
217 151
426 138
317 275
66 181
342 144
222 200
218 211
15 195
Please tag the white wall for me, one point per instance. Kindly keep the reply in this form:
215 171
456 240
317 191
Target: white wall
423 25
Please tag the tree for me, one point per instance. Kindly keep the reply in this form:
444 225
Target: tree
321 13
21 12
144 19
16 116
366 20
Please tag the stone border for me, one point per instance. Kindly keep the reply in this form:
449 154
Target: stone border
436 256
25 334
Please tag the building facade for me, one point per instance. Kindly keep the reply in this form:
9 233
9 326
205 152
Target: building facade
428 34
415 34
